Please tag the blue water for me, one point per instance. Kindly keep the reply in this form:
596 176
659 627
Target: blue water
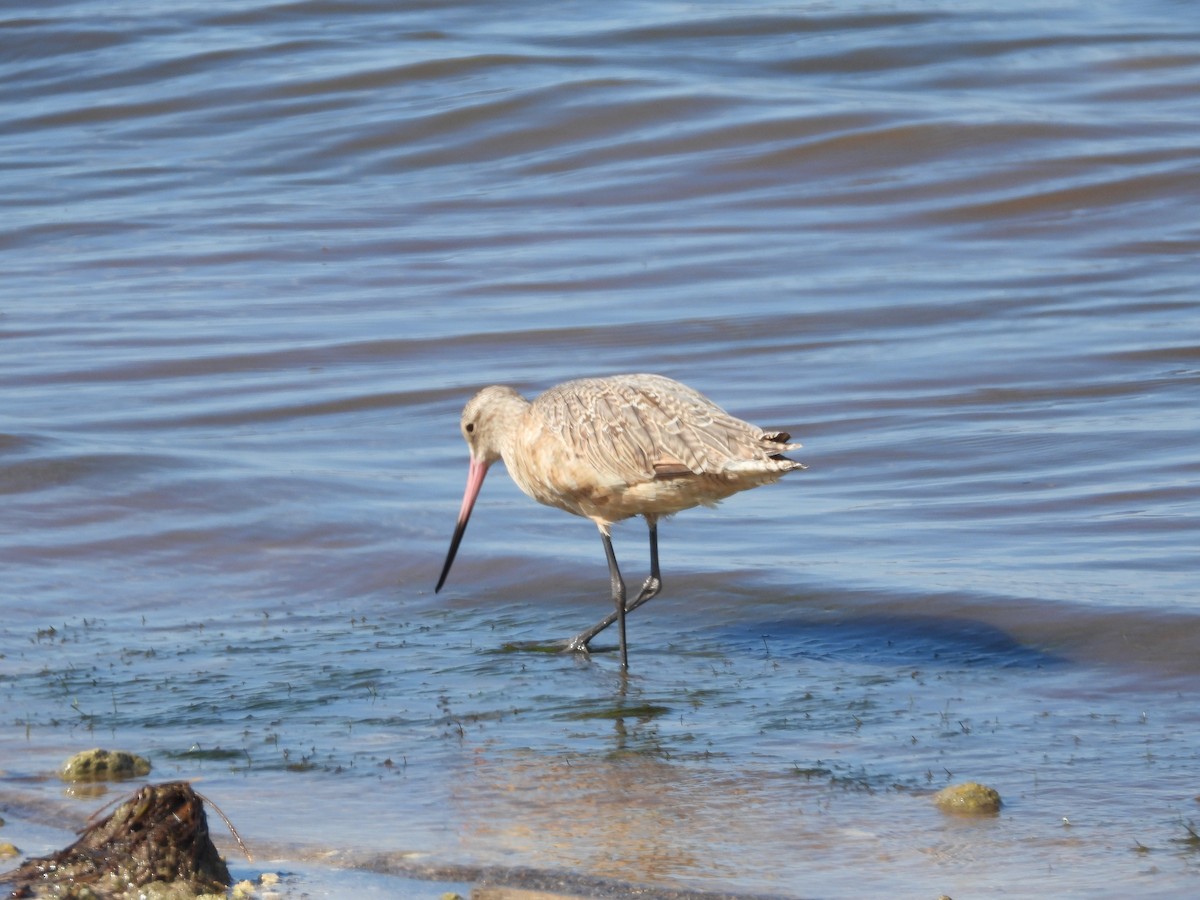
256 257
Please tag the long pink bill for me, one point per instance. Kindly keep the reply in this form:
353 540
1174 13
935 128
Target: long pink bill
475 476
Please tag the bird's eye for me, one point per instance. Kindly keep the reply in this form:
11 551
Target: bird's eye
470 427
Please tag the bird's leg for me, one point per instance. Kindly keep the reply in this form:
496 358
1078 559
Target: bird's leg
654 581
579 643
650 589
618 593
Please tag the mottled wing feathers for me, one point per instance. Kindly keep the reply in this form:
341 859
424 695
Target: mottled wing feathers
635 428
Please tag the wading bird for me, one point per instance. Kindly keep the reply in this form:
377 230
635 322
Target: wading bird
611 448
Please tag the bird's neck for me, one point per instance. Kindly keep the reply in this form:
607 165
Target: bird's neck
505 424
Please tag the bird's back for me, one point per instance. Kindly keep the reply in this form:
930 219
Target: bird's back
635 444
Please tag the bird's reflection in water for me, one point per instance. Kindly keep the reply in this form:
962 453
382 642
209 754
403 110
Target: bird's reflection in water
630 811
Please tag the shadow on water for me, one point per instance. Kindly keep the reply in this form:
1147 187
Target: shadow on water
897 639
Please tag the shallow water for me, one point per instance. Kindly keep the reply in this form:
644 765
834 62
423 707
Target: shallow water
258 255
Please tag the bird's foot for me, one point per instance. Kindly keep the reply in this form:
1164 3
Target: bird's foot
577 644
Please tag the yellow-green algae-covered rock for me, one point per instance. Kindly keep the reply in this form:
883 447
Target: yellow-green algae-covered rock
248 890
969 798
104 765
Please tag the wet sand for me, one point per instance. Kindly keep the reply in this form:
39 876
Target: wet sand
308 872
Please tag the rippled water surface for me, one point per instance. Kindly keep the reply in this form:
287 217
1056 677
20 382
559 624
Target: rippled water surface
257 255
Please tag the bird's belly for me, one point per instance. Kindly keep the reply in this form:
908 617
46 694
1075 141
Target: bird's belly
657 497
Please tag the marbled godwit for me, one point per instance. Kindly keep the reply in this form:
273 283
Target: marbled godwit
611 448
